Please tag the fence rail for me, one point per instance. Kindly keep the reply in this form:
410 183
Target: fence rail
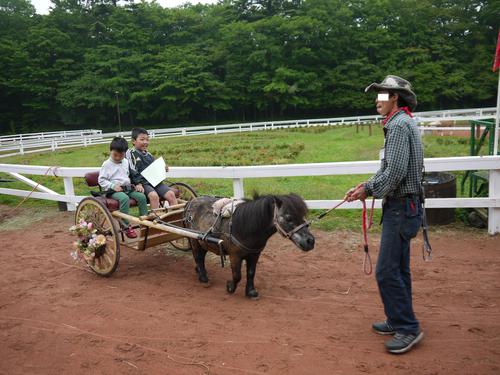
7 139
238 174
41 142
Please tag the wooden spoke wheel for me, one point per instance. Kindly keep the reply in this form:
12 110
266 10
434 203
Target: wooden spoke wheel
186 193
93 211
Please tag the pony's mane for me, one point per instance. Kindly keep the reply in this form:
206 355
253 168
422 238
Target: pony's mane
250 216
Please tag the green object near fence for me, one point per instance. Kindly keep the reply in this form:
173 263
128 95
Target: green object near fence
478 185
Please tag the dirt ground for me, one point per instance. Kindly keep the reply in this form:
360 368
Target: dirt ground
313 317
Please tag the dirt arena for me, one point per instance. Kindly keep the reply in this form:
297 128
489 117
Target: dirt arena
313 317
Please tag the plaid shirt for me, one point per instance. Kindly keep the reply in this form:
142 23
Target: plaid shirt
400 173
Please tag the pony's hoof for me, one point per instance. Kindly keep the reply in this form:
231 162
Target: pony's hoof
230 287
252 294
206 284
203 279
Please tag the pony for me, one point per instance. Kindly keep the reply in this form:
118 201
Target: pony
246 232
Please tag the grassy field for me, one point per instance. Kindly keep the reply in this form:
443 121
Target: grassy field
304 145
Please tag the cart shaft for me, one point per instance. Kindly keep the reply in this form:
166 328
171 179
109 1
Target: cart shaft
189 233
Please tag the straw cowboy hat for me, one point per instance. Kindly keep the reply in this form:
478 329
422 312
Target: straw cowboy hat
398 85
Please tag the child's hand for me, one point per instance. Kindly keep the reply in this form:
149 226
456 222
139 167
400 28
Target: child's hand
139 188
117 187
166 168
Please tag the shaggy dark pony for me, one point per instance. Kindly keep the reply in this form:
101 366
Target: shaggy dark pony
246 233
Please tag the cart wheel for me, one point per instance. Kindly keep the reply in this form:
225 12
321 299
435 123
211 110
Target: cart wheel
186 193
93 211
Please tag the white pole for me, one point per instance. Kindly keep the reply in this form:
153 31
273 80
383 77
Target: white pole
238 189
69 190
494 191
495 145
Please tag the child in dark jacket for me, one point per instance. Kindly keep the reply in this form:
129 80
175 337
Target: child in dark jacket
139 159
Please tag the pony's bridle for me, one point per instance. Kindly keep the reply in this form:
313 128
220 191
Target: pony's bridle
281 230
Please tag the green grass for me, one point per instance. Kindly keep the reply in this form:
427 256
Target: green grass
303 145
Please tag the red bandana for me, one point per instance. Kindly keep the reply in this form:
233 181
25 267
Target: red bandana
405 109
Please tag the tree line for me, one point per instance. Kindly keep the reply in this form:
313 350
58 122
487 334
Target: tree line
237 60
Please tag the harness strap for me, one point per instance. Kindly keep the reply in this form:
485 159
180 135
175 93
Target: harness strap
322 215
367 261
308 222
238 243
426 246
370 223
367 222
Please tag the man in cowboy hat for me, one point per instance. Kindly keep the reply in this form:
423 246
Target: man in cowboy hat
398 182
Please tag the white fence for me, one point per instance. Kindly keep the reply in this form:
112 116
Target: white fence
32 143
6 140
238 174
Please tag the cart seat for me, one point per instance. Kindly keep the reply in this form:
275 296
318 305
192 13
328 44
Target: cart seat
92 180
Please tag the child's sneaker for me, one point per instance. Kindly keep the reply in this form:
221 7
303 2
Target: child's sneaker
130 232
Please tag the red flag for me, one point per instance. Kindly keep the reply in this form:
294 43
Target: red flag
496 63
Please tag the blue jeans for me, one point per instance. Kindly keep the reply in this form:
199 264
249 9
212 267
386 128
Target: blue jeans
401 221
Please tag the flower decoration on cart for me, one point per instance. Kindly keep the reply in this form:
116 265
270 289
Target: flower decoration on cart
90 243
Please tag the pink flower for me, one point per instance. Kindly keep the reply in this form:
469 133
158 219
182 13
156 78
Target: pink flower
89 226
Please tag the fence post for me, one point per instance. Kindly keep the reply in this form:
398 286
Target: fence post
494 192
238 189
53 147
69 189
21 148
184 131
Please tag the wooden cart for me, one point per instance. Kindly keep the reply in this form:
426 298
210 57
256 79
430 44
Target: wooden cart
165 225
